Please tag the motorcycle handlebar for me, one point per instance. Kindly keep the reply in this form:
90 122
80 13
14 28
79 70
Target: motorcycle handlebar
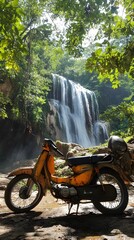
57 150
53 146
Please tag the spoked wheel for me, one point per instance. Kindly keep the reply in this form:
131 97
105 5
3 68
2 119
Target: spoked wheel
19 197
109 176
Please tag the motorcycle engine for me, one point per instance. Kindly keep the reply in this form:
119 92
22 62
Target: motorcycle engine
63 191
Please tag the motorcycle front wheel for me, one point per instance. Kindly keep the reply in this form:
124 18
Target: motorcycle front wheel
110 176
17 197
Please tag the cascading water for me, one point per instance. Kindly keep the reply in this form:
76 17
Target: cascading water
74 114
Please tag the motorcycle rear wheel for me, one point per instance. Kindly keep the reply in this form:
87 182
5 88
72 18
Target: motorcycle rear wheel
110 176
16 197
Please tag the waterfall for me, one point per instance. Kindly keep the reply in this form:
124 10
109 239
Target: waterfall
74 114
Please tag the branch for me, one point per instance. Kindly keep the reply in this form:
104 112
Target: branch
25 30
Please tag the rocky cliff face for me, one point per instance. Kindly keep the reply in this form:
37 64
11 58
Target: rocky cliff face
17 143
73 116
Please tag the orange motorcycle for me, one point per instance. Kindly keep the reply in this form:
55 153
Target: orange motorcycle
93 180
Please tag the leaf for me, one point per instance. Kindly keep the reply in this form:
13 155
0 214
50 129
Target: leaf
14 3
98 51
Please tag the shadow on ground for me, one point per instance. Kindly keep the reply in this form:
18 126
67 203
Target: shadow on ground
35 225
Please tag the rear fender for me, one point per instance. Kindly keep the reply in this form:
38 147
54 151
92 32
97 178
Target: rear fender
28 171
118 170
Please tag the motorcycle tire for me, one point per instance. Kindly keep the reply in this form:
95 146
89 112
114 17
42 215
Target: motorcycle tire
15 194
117 206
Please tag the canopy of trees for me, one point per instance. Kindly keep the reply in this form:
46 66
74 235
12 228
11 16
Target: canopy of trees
114 39
32 46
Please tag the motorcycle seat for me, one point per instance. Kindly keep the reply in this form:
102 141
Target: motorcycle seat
90 159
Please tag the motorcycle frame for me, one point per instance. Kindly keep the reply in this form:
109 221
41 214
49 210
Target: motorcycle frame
43 171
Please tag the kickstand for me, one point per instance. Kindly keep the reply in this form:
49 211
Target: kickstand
77 208
70 207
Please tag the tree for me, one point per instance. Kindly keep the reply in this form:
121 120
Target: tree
111 54
33 81
121 118
29 52
10 33
17 18
113 50
21 35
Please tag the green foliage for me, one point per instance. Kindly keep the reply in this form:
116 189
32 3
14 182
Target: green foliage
4 101
30 51
10 29
114 55
109 64
79 17
113 49
27 53
33 81
121 118
17 18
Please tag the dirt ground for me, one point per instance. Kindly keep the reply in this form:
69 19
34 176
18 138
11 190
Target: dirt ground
49 221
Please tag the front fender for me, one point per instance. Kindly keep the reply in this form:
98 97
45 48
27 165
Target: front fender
18 171
29 170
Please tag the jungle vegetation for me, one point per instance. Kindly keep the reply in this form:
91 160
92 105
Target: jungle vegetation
90 42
